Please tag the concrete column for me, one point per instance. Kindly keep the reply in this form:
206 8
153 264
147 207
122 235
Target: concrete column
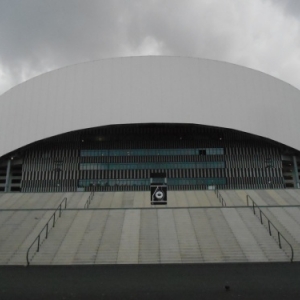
7 179
296 174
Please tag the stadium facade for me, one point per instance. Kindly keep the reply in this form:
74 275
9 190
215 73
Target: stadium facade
108 124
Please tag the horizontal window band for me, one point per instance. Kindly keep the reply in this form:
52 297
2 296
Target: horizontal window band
148 152
145 182
152 166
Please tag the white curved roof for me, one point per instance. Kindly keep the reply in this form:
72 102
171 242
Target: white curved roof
149 90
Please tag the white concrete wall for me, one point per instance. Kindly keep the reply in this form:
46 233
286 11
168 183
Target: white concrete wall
145 90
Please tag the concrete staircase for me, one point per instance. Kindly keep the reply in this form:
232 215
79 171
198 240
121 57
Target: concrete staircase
282 209
286 197
123 228
142 199
22 216
17 231
287 222
135 236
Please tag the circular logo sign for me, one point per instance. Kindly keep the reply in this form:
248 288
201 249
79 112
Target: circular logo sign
159 195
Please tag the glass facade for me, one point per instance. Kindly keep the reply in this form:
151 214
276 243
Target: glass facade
135 163
148 152
153 166
122 158
146 182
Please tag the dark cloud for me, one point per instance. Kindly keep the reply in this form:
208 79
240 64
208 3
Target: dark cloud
291 6
189 30
41 35
38 36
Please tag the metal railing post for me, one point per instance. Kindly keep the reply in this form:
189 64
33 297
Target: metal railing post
261 221
219 197
38 247
89 200
46 230
279 242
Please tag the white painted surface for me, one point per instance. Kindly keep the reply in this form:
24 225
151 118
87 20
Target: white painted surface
149 90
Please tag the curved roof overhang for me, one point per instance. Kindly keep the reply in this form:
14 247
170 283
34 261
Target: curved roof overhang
149 90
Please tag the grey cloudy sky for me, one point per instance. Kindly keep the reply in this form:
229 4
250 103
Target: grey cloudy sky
37 36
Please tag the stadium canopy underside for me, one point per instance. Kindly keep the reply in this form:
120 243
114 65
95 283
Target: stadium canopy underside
123 157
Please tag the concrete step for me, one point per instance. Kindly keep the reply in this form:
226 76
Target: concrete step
187 240
41 200
290 199
156 235
142 199
244 237
295 193
282 221
8 199
89 245
227 241
149 247
18 233
208 243
266 242
56 237
110 239
68 248
275 195
232 198
289 219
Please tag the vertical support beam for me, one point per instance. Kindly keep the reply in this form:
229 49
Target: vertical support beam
296 174
7 179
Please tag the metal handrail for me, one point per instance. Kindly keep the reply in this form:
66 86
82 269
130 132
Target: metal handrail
38 238
279 234
219 196
89 200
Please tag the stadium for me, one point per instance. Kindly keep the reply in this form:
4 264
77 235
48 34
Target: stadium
80 147
107 124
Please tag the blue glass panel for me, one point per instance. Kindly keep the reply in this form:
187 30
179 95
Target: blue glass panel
152 166
143 182
148 152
